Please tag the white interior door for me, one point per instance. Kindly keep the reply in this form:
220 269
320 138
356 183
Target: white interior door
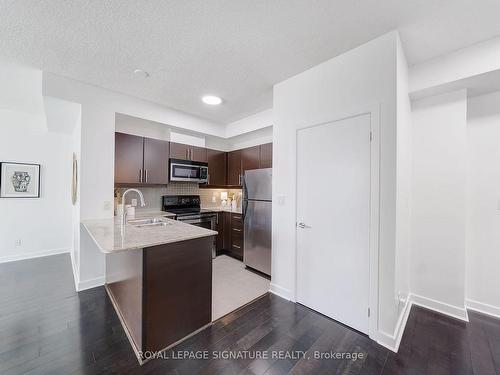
333 203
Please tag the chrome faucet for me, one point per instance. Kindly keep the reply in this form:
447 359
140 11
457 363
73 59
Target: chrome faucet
124 214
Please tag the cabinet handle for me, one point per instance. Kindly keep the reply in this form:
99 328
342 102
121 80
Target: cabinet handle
140 175
239 179
237 217
146 175
208 179
187 154
237 230
236 246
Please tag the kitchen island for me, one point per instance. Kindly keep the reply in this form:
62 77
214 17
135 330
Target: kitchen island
158 277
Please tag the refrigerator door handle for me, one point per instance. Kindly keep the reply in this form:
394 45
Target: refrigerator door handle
245 207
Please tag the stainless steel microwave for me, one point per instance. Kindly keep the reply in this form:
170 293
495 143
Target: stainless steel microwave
188 171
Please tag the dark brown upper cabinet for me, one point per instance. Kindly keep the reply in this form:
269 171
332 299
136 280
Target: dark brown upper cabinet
187 152
140 160
179 151
217 166
234 167
266 155
129 164
250 158
198 154
155 161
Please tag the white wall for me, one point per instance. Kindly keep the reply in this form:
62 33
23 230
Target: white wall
354 81
251 123
146 128
483 209
253 138
21 99
404 176
467 62
43 225
438 201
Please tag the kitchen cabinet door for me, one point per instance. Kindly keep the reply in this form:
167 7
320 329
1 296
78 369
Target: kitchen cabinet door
217 167
219 227
198 154
179 151
156 154
266 155
234 167
129 156
250 158
227 231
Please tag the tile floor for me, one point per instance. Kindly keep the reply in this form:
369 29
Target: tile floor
234 286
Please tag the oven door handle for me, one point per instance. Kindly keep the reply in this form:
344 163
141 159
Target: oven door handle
196 221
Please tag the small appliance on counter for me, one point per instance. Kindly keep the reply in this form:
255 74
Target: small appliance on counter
188 210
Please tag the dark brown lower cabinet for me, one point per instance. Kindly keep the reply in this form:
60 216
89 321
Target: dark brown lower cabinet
232 236
162 293
219 227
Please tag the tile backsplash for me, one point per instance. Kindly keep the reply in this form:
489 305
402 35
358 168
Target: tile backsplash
153 195
211 197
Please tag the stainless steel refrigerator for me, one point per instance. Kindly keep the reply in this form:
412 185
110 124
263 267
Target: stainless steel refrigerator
257 212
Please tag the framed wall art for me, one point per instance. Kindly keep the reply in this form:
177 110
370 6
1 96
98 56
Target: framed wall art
19 180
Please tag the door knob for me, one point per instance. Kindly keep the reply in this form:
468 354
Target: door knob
303 225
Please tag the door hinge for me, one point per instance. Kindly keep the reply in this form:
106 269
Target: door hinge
368 312
371 136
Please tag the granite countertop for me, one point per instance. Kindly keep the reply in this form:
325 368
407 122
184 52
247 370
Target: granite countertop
140 214
224 208
111 237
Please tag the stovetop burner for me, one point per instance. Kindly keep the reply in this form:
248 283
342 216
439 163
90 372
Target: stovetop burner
183 205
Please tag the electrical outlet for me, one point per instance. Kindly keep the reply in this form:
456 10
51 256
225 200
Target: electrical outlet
18 242
134 202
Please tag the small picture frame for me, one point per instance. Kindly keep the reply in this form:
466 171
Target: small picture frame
19 180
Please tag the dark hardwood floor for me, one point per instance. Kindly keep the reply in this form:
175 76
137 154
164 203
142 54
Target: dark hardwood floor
48 328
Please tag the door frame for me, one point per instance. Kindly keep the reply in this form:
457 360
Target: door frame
374 246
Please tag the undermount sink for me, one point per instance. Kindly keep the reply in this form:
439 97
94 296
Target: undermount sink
155 222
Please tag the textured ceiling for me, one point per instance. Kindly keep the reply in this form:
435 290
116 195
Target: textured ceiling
232 48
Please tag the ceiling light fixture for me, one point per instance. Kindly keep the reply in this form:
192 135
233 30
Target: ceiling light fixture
141 73
211 100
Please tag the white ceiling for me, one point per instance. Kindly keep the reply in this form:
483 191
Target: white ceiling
232 48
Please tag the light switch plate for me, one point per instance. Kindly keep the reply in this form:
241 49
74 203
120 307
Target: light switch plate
280 199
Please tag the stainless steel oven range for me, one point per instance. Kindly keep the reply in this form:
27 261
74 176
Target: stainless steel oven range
188 210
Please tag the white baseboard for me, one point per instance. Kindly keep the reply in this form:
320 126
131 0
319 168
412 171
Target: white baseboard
76 273
90 283
441 307
281 292
483 308
40 254
392 342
